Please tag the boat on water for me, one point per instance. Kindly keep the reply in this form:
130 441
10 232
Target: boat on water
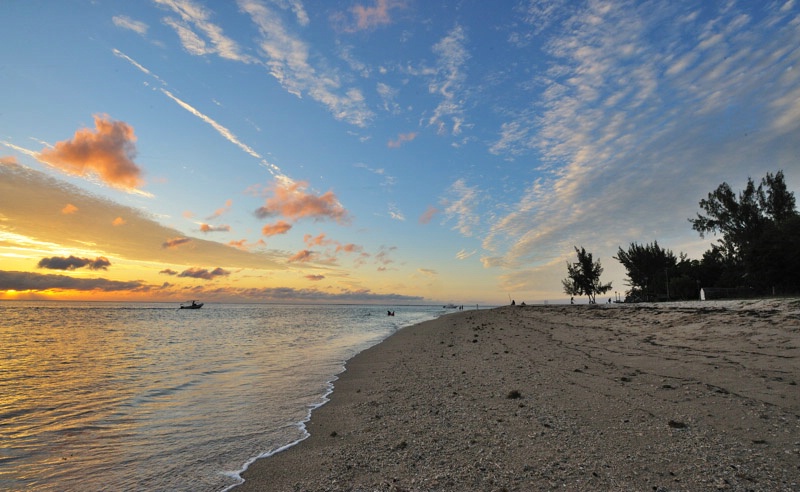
191 305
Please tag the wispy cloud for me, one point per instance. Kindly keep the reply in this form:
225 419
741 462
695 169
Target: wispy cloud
107 151
632 118
461 204
401 139
369 17
428 214
69 209
288 60
222 130
126 22
198 34
448 82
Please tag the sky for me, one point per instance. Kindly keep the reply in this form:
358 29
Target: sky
375 151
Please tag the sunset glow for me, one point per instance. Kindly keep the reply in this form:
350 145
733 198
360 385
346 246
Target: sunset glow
375 151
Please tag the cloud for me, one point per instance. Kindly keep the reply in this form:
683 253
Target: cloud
206 228
222 210
448 82
106 152
288 60
401 138
428 214
175 242
168 271
27 281
319 240
118 221
126 22
198 34
203 273
141 239
464 254
428 272
395 213
291 201
72 263
461 205
315 278
69 209
280 227
302 256
368 18
349 248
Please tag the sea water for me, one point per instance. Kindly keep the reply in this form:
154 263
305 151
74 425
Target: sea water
131 396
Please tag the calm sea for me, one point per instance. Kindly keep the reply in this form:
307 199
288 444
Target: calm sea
131 396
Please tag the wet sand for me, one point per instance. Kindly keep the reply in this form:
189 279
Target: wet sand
648 397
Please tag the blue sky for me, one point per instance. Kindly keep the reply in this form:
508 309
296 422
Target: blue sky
375 151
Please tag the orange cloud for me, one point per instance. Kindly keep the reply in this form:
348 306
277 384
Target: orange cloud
69 209
316 241
428 215
118 221
302 256
107 152
349 248
175 242
401 138
221 211
209 228
315 278
280 227
293 202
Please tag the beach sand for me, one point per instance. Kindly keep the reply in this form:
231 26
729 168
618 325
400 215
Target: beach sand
646 397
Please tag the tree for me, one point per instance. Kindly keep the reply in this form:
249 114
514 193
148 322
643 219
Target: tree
759 235
584 277
741 221
649 268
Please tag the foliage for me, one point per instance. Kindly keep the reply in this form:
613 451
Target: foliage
760 237
584 277
649 270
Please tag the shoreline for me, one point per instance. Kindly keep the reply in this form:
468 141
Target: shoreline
678 396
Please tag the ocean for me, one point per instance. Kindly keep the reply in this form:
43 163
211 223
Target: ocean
135 396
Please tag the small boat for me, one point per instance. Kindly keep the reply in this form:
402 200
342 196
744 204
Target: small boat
191 305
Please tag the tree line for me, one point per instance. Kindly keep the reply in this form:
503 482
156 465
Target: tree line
757 253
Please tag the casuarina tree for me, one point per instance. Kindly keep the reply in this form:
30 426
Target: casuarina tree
584 277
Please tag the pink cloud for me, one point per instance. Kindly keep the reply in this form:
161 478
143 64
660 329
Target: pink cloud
293 202
401 139
280 227
349 248
315 278
118 221
428 215
302 256
223 210
372 17
69 209
107 151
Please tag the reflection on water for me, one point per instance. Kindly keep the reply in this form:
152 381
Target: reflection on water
148 397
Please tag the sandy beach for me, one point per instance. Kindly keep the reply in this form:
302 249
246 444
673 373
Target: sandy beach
648 397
